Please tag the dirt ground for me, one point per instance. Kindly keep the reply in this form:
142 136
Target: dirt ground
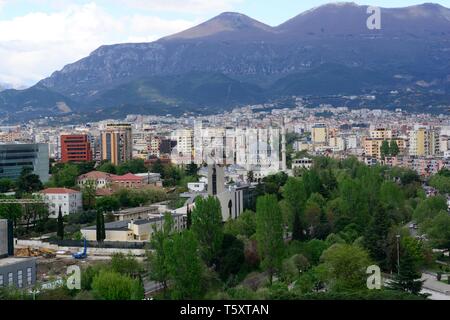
48 268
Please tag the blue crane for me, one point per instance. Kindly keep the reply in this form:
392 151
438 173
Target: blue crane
82 254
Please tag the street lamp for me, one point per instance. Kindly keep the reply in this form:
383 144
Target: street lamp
398 253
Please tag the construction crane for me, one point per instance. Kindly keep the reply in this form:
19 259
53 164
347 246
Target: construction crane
22 201
82 254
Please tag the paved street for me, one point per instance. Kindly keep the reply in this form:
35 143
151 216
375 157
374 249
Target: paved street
438 289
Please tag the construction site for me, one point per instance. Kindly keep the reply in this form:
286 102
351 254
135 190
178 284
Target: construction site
51 264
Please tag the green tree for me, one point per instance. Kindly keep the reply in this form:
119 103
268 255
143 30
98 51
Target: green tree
11 212
158 266
65 176
184 266
89 191
107 204
385 149
158 167
192 169
6 185
60 232
100 227
29 182
133 166
189 217
376 236
408 276
125 265
110 285
441 182
346 266
107 167
294 191
438 231
429 208
231 257
394 149
250 176
244 225
269 233
207 226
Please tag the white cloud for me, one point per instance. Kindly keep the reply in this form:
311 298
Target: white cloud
34 45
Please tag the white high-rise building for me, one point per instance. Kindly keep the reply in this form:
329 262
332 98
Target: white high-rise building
183 153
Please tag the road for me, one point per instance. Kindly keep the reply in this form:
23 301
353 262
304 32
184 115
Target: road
439 290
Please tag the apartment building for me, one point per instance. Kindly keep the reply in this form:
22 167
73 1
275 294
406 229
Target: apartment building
424 141
117 143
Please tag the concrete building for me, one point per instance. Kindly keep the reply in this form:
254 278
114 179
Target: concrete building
381 133
128 181
14 157
75 148
70 201
231 198
372 146
136 213
319 134
4 238
183 153
99 179
17 272
134 230
304 163
150 178
423 141
117 143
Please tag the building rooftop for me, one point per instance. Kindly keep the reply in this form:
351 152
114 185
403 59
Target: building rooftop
14 260
96 175
58 191
127 177
123 225
116 225
136 210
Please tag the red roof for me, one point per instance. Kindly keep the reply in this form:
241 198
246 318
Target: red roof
95 175
58 191
127 177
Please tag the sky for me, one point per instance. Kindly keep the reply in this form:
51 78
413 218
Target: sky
38 37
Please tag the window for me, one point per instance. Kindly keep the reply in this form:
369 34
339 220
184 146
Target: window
10 279
19 279
29 276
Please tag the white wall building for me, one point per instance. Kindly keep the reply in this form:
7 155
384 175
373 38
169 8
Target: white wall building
70 201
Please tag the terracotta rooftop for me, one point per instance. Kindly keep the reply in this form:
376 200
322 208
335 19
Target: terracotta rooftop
97 175
127 177
58 191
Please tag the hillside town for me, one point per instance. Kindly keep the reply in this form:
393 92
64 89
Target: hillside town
112 184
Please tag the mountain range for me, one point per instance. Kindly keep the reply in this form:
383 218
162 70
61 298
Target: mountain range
234 60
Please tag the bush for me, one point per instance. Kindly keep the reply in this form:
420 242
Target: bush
110 285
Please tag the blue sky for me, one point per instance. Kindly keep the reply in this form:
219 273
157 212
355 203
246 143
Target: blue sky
38 37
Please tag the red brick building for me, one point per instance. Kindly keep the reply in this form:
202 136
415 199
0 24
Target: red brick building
75 148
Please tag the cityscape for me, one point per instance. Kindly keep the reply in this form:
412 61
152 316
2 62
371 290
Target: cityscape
326 195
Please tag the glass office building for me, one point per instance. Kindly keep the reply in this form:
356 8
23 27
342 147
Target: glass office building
16 156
